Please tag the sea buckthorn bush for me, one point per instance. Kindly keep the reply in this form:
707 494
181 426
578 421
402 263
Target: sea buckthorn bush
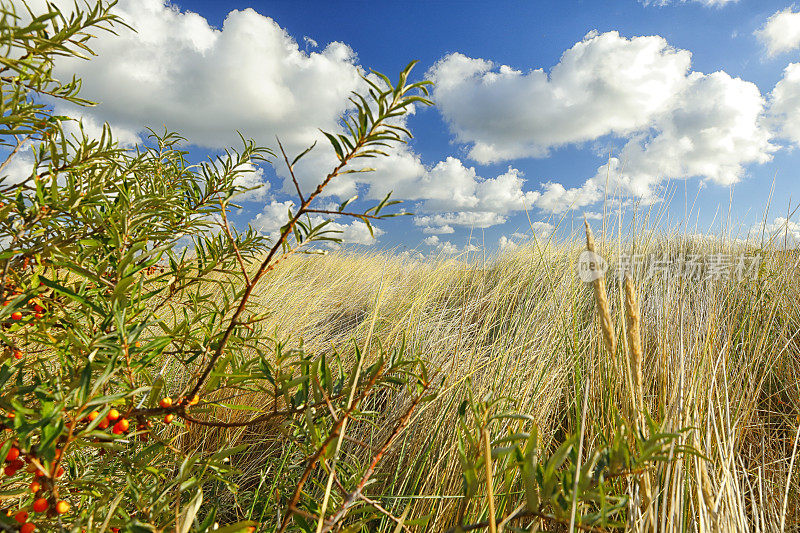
127 321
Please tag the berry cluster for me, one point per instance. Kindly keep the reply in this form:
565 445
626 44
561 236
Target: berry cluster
41 486
45 473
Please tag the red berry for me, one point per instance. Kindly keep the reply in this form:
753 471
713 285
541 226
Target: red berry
40 505
38 315
112 415
18 354
60 471
103 423
35 487
121 427
168 418
12 454
16 315
165 402
62 507
91 416
21 517
38 308
27 528
10 470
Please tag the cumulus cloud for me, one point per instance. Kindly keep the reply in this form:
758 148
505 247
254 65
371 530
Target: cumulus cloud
603 84
785 104
447 247
677 123
249 76
449 193
781 32
781 230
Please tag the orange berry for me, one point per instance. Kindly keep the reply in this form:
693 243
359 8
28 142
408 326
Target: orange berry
91 416
165 402
35 486
27 528
38 315
121 427
17 354
40 505
62 507
103 423
12 454
195 400
16 315
21 517
112 415
168 419
6 303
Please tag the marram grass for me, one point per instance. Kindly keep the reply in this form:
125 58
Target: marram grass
717 359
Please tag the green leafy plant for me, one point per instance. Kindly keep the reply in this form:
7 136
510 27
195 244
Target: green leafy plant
499 446
121 274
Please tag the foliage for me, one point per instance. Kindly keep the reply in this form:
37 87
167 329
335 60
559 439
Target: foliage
128 322
559 488
99 299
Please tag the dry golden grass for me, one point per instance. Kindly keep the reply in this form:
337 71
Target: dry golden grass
717 358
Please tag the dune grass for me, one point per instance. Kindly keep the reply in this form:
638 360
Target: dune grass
719 361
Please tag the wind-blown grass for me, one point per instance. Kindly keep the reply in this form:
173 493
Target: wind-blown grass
719 361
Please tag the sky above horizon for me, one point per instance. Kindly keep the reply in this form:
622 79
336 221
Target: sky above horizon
545 112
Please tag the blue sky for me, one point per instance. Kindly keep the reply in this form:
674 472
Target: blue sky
648 95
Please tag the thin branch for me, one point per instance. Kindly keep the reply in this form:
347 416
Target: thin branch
291 171
14 151
388 514
344 213
354 495
228 234
312 461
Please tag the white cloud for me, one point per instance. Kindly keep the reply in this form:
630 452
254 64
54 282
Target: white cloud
677 124
603 84
438 230
447 247
785 104
477 219
250 76
781 32
274 215
506 244
252 178
449 193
